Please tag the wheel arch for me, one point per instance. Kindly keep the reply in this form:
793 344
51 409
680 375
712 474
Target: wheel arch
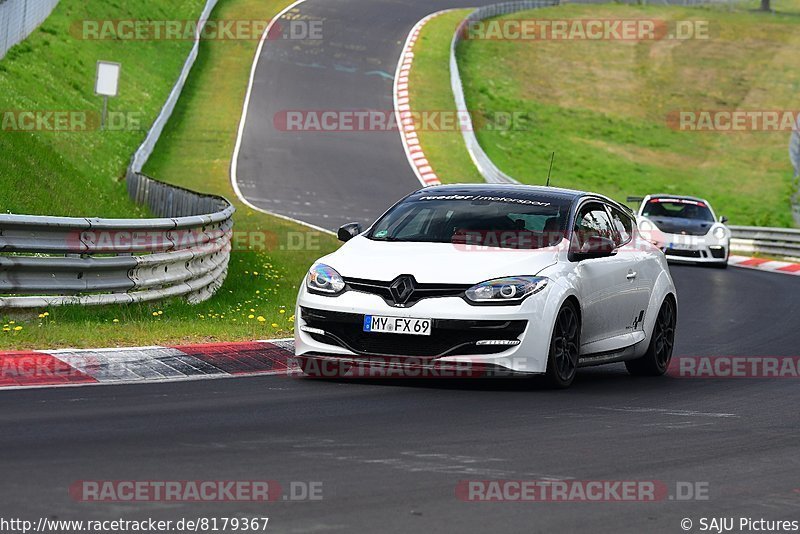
662 289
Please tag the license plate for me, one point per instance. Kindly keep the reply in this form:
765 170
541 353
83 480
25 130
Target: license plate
397 325
680 246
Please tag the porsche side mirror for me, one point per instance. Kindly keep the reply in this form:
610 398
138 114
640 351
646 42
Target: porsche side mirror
723 219
348 231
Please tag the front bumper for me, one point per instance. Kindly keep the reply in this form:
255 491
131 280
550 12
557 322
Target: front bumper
693 249
457 329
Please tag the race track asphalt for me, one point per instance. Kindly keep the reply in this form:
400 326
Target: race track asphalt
390 454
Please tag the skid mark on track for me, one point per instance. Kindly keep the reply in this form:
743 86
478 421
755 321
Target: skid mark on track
667 411
428 462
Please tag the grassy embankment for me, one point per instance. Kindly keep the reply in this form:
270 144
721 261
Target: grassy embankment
603 106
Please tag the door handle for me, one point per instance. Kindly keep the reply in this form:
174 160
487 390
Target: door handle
631 275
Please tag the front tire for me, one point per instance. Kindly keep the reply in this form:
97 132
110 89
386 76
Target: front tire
562 362
656 360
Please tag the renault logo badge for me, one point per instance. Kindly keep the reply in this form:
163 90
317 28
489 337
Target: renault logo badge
401 288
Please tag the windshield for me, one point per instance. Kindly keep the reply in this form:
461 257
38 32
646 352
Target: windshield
483 220
679 209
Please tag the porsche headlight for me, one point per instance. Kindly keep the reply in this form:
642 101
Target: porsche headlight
719 233
324 279
509 291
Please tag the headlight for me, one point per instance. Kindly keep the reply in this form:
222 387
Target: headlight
324 279
509 291
646 226
719 233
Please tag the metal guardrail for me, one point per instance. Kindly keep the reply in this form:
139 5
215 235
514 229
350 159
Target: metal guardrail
770 241
53 261
146 148
18 18
490 172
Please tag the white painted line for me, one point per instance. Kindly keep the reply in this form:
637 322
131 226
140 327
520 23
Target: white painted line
245 107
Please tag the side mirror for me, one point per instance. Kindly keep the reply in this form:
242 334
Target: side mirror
348 231
723 219
595 247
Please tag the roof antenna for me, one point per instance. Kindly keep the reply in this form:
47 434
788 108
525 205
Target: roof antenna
552 157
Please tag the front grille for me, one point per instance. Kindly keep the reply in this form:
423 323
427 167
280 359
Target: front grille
419 292
682 253
448 336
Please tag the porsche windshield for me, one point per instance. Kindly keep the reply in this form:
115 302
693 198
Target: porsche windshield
678 209
481 220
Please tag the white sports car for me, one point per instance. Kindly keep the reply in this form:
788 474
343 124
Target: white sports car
513 279
685 228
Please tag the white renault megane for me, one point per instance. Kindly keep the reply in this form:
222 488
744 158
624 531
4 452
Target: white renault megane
517 279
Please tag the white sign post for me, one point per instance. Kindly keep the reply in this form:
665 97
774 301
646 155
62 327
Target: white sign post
106 84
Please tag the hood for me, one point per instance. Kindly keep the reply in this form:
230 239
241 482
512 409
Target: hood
675 225
442 263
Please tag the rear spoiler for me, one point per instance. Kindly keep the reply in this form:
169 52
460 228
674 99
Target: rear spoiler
635 199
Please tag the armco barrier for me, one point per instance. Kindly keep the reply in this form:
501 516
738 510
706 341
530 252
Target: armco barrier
52 261
55 261
18 18
783 242
143 152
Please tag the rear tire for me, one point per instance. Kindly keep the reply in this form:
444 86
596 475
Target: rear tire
562 361
656 360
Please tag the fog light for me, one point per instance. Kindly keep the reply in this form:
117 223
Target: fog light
310 330
507 342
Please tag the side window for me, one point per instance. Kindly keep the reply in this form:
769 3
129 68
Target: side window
592 221
623 225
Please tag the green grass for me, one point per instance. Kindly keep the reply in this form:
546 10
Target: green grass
79 173
429 85
194 152
603 106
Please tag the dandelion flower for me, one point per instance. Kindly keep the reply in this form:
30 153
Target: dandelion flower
261 319
250 316
17 328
